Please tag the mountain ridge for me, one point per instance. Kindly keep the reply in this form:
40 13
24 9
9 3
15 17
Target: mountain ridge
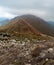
37 23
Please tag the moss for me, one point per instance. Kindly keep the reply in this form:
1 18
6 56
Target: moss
17 63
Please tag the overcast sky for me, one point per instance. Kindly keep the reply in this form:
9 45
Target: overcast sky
41 8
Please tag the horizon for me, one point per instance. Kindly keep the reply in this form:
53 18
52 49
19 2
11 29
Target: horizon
9 18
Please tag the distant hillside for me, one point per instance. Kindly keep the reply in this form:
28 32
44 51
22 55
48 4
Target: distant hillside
4 22
3 18
28 22
51 23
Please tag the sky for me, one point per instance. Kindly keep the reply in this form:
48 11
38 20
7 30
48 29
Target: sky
41 8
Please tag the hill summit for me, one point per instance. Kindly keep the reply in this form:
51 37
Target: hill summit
27 24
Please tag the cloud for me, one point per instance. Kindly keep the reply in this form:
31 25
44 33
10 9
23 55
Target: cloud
21 4
41 8
28 11
10 13
4 13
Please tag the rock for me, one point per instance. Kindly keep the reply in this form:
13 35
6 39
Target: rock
42 55
18 42
46 59
23 43
27 64
13 40
36 51
50 50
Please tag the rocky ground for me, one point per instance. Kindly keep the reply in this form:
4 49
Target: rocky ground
26 52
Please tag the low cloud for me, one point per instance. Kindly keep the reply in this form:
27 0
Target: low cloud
10 13
5 13
41 8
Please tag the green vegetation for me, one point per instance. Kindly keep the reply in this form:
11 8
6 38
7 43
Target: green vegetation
17 63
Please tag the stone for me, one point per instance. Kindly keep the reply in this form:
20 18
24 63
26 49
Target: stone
50 50
42 55
27 64
47 59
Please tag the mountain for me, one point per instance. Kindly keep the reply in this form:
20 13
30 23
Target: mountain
28 24
3 22
39 24
2 18
51 23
